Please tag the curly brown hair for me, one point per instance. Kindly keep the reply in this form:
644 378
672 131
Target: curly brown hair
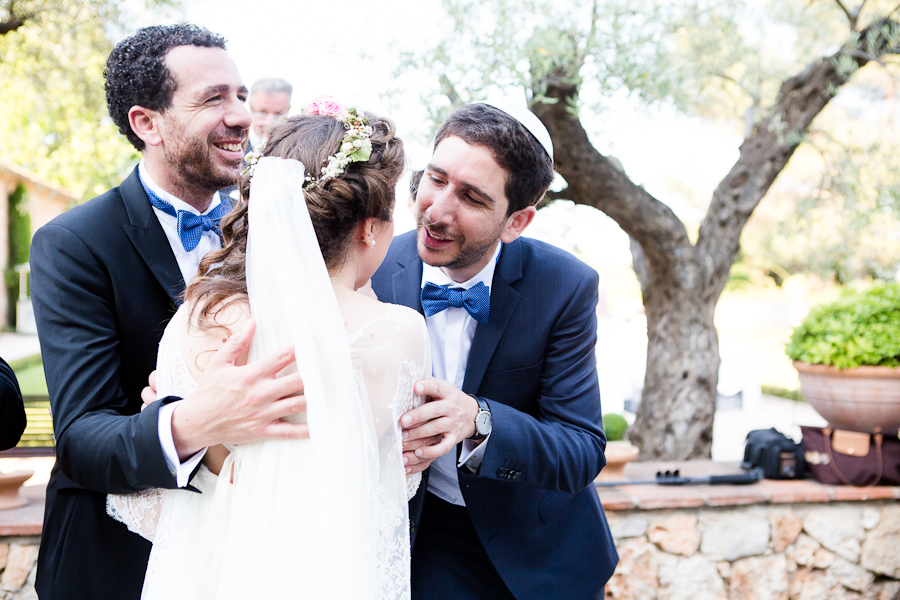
337 206
136 72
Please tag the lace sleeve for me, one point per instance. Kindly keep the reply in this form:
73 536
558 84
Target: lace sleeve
139 511
397 354
415 367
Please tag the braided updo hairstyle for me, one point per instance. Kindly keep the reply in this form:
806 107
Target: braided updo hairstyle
337 206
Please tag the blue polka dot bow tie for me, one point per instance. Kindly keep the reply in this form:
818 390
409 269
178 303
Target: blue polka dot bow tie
190 226
476 300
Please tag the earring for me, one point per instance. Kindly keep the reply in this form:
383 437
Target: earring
372 244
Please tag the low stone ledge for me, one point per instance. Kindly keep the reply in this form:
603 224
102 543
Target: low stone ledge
771 540
20 531
653 497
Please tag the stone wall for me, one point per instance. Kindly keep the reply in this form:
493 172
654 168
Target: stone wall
815 551
18 563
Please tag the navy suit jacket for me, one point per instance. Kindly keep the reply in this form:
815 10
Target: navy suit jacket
104 283
531 501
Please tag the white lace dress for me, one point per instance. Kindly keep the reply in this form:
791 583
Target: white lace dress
319 518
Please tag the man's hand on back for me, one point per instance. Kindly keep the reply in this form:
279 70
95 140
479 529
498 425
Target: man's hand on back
237 404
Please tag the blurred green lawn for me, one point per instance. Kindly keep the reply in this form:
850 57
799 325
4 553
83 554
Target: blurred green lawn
31 380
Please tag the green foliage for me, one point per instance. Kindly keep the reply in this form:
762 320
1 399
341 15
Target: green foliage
514 46
787 394
19 232
860 328
614 426
714 58
844 225
31 380
55 122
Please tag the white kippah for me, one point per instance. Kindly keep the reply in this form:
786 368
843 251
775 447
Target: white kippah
527 118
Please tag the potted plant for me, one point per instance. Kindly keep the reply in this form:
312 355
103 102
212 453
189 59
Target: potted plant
847 353
618 451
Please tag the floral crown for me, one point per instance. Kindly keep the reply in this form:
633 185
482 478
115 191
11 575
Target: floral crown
355 145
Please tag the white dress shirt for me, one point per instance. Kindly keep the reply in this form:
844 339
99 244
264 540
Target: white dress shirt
451 332
188 262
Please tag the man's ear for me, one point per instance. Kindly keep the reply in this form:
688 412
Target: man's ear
516 224
146 124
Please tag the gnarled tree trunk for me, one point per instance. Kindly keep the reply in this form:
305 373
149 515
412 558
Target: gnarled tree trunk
681 282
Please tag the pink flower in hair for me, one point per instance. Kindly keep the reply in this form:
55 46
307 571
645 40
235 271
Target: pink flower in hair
325 105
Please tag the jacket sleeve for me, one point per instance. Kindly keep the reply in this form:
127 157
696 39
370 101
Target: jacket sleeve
101 444
560 447
12 408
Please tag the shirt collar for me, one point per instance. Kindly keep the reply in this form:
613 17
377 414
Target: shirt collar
176 203
436 276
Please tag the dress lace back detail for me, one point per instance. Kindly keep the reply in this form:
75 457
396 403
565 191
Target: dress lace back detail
319 518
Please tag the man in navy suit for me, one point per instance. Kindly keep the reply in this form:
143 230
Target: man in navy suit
511 512
106 277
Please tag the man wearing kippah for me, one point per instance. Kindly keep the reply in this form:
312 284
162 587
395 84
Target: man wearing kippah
513 422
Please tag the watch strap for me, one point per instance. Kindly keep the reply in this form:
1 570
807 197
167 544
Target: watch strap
483 407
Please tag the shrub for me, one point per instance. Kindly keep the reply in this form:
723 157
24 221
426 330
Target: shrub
614 426
860 328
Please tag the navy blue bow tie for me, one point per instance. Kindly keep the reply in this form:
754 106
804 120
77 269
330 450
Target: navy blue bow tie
190 226
476 300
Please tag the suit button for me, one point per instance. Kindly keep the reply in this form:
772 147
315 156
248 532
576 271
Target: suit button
502 472
516 474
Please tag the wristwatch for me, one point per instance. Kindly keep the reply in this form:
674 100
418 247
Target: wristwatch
483 420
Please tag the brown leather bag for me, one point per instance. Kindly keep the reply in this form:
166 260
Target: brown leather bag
842 457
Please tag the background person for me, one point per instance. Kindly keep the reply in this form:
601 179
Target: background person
270 99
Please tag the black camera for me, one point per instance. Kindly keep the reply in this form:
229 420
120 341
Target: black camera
777 455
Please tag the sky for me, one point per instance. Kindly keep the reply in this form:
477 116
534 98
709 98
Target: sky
349 50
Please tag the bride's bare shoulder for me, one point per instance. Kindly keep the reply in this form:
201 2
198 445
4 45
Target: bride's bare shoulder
207 327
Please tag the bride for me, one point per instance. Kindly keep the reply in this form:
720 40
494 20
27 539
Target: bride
324 517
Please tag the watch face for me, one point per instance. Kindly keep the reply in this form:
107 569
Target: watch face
483 423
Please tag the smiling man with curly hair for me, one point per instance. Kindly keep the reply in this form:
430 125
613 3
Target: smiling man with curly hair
106 277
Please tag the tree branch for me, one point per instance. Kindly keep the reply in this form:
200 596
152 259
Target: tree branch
13 21
852 16
773 141
449 90
595 180
550 196
844 8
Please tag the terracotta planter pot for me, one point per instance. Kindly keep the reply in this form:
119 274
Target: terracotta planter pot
9 489
861 399
618 454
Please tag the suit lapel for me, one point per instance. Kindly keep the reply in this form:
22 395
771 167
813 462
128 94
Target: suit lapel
504 300
406 284
149 239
